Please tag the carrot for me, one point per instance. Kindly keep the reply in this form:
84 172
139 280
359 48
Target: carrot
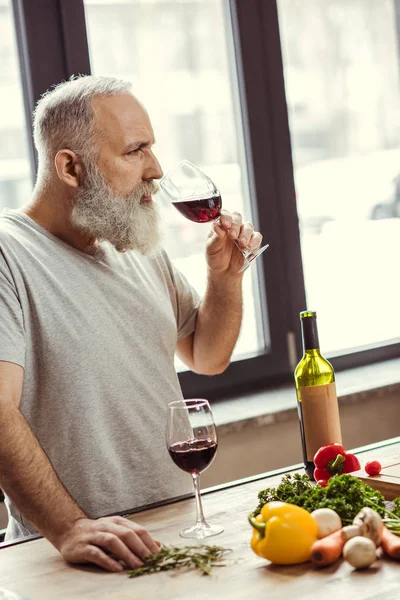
328 550
390 544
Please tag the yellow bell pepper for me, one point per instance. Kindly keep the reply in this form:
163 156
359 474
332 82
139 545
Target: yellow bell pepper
283 533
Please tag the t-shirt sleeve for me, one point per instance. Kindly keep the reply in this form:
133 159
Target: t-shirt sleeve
12 331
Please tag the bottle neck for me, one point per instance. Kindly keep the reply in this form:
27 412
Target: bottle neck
309 333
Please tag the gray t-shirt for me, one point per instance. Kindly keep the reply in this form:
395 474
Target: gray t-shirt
96 337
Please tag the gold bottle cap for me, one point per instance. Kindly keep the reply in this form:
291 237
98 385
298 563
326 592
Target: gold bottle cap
307 313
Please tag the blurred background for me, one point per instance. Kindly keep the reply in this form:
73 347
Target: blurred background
340 67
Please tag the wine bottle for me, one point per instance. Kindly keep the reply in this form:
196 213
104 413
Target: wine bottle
317 403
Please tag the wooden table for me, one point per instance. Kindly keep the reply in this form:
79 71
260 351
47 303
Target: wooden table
36 571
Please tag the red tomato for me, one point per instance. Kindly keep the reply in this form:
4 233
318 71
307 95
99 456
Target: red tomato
373 467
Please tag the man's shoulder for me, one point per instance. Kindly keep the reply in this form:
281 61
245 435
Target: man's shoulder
10 229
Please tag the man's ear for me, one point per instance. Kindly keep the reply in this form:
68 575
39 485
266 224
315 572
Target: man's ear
69 167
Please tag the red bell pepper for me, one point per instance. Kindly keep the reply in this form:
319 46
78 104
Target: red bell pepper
321 473
351 463
332 459
327 453
322 482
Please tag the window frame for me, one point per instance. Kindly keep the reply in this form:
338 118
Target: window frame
40 26
52 46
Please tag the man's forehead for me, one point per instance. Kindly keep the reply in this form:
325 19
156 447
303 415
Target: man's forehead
122 117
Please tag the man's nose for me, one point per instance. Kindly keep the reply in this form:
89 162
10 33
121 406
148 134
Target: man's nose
153 168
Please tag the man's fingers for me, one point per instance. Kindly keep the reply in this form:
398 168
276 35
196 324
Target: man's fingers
135 537
236 226
116 547
150 545
229 238
246 233
225 219
106 541
148 541
255 240
218 230
135 542
230 222
93 554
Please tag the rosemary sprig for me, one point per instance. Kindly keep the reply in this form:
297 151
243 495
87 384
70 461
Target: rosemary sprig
201 558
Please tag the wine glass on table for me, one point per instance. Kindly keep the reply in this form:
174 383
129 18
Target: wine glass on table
192 443
197 198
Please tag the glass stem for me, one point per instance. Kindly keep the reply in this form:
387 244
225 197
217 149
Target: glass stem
200 520
245 251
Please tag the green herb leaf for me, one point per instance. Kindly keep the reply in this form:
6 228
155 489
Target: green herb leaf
345 494
201 558
396 509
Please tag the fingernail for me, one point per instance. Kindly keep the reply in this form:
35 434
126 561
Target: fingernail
243 240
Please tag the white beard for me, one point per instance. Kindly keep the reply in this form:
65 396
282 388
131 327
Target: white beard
125 222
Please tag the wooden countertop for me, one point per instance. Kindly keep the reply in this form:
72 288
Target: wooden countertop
36 571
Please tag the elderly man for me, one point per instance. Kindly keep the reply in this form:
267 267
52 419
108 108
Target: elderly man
91 314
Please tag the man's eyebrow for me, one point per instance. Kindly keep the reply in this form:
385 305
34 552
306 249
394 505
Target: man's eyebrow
137 145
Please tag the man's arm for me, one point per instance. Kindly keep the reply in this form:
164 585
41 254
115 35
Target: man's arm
209 348
28 478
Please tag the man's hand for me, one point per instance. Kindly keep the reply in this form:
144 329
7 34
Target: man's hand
222 254
107 541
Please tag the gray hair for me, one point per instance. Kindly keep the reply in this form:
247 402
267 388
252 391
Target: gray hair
63 117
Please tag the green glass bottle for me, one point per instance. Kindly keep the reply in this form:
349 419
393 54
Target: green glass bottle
316 395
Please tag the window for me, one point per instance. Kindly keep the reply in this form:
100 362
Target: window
15 174
342 85
292 107
188 85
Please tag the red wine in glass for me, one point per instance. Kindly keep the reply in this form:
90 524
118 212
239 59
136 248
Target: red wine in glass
191 440
200 210
197 198
193 456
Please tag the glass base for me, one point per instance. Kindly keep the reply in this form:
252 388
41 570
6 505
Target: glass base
201 531
249 256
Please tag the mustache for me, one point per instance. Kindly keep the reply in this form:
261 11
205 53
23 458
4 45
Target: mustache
94 178
148 188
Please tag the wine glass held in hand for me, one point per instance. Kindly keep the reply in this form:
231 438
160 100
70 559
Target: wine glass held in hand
197 198
192 443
